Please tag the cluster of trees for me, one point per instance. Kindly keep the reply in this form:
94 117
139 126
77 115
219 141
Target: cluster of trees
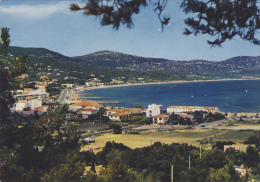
34 149
116 128
153 163
99 117
140 119
199 117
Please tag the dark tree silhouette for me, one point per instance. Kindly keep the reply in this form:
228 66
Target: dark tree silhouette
221 19
118 12
5 41
8 76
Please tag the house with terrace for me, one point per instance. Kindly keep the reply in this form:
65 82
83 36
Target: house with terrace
161 119
187 118
122 114
86 112
85 108
119 116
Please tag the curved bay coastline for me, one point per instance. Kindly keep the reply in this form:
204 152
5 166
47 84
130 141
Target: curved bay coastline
192 93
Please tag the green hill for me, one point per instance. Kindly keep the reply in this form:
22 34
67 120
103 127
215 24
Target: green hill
108 65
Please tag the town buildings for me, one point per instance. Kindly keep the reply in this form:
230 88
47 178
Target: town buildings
153 110
122 114
39 93
85 108
119 116
85 104
185 109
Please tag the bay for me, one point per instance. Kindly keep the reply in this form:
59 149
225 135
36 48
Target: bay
228 96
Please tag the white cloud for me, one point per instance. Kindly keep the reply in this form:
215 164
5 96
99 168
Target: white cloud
35 11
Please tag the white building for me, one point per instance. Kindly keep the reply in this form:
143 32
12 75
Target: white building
34 103
119 116
19 106
177 109
29 102
40 93
185 109
153 110
88 111
161 119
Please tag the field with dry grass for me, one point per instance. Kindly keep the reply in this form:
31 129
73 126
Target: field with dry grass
190 136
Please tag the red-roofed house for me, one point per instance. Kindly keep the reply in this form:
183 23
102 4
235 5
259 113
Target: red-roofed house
161 119
33 110
85 113
187 117
86 104
119 116
126 110
30 98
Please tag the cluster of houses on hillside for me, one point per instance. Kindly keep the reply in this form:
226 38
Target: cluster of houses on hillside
30 100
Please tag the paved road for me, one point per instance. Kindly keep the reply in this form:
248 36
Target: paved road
133 127
97 128
91 129
65 96
213 124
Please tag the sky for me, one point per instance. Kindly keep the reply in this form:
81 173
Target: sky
50 24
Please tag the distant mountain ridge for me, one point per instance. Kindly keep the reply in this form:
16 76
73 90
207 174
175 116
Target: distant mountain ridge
236 67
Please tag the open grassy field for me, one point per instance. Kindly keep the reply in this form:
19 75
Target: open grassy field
244 121
191 136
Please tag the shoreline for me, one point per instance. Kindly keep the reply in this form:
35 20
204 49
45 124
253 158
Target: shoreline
156 83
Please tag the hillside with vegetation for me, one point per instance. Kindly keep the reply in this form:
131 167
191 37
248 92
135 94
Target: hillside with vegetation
237 67
116 68
50 66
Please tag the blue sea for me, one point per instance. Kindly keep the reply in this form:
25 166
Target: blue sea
228 96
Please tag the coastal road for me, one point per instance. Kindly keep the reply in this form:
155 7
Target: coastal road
65 96
213 124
